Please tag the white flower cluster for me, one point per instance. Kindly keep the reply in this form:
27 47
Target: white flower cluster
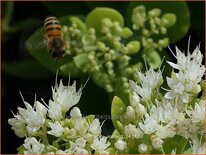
47 129
180 112
185 83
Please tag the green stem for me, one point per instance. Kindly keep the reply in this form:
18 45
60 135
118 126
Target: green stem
44 136
8 14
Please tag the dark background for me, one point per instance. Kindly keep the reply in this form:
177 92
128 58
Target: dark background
13 49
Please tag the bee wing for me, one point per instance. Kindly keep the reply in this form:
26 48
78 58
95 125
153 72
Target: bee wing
39 46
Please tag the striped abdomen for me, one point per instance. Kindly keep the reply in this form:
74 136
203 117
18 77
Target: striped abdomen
52 27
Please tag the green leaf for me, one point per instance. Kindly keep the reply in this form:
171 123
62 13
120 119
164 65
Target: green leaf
70 69
180 9
115 134
177 142
112 150
26 69
117 110
81 60
94 18
81 25
153 59
182 142
21 149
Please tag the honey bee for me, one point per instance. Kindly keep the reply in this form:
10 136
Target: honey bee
54 37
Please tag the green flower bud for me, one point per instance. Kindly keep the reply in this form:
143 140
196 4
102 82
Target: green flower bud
138 17
163 42
101 46
107 57
117 45
109 64
196 89
145 32
133 47
109 88
154 12
126 32
169 19
163 30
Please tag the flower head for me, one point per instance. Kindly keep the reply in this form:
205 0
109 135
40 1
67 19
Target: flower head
198 113
56 129
120 145
100 145
28 120
32 146
66 96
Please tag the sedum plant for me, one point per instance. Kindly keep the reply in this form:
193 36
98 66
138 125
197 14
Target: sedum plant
157 120
164 120
48 129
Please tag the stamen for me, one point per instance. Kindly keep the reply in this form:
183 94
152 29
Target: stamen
188 46
22 97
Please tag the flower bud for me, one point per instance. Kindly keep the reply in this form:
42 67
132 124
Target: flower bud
142 148
157 143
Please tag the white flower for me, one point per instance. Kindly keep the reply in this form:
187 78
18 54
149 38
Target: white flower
100 145
95 127
135 103
157 142
178 90
56 129
77 116
55 111
150 123
129 114
144 92
197 147
40 108
149 81
76 150
160 120
77 147
67 96
32 146
150 78
134 99
75 113
190 65
34 119
120 145
198 113
142 148
81 142
61 152
182 60
132 132
18 125
79 124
